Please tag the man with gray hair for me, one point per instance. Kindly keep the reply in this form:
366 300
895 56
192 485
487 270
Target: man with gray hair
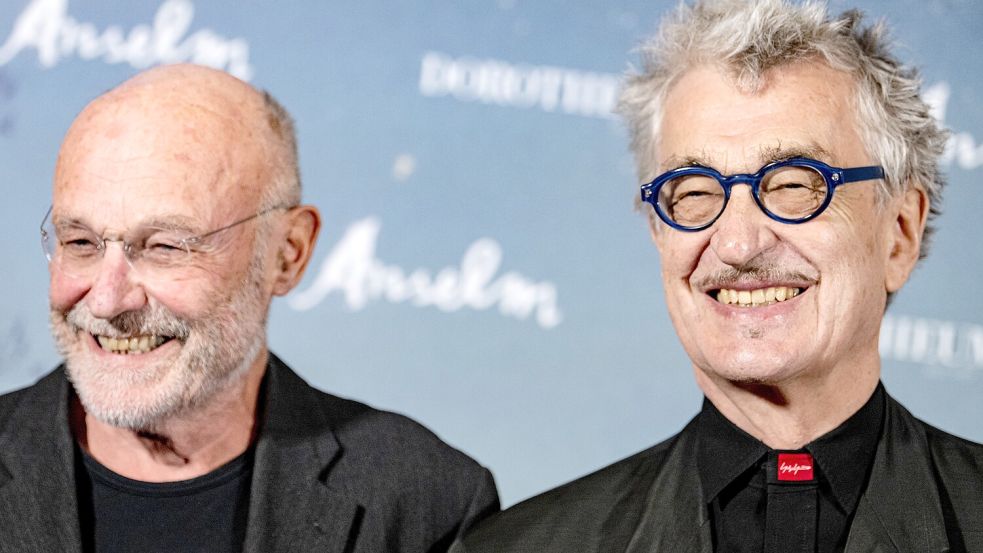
790 172
175 218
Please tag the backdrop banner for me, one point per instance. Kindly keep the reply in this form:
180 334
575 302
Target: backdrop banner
481 267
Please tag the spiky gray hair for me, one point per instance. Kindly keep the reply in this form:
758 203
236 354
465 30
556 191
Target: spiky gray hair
746 38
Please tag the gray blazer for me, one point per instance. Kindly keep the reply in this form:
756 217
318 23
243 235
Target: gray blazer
924 495
330 475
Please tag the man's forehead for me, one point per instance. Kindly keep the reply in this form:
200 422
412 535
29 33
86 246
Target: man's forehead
169 205
129 173
72 216
798 110
758 155
186 122
113 189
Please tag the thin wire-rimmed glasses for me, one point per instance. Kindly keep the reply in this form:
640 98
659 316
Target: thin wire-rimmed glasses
168 252
792 191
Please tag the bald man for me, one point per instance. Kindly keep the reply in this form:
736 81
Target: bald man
175 219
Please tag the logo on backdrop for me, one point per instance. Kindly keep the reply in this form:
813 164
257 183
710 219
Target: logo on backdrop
352 270
950 348
45 26
548 88
491 81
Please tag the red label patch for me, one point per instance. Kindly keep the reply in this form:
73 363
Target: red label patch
794 467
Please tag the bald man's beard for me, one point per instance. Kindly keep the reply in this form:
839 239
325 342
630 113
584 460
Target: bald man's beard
216 352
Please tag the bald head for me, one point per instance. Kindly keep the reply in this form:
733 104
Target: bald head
188 118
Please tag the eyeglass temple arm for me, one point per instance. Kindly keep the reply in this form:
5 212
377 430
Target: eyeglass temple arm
857 174
199 238
45 220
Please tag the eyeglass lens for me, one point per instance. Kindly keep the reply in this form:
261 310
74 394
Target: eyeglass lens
78 251
790 192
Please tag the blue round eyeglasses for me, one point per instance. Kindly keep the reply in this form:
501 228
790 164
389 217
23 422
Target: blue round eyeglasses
792 191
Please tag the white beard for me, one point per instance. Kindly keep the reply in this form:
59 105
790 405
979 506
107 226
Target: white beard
216 351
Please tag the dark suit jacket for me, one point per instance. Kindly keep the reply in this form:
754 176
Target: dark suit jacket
330 475
924 495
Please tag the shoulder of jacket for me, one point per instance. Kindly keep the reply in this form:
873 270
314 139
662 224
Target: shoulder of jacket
394 443
573 513
953 448
38 397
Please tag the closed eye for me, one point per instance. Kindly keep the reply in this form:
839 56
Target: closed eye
790 185
164 246
80 243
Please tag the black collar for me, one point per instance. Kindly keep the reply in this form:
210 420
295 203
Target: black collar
843 455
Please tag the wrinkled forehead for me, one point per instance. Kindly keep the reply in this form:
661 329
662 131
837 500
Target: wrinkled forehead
797 110
141 154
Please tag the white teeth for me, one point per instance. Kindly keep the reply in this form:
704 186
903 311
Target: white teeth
132 345
758 297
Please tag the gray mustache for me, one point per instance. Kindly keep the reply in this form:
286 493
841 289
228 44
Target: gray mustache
150 320
730 277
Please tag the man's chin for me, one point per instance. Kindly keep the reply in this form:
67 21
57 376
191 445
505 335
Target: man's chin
753 377
134 400
140 420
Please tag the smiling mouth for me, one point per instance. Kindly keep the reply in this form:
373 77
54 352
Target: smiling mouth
755 298
131 345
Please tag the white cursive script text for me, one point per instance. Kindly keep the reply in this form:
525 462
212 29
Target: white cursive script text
786 468
353 270
46 26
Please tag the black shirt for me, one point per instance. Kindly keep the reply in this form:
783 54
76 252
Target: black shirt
204 514
733 468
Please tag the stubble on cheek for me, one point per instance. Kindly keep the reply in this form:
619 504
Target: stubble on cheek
66 338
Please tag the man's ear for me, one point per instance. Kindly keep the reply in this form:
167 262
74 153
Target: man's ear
906 233
297 247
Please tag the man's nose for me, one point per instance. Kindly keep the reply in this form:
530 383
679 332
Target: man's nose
115 288
743 231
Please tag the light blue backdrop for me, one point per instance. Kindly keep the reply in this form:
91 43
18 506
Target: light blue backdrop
481 267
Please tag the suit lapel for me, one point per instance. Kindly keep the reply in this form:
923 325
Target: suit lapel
900 510
38 508
294 505
674 517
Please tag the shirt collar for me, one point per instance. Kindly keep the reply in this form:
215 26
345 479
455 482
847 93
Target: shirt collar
724 451
843 455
